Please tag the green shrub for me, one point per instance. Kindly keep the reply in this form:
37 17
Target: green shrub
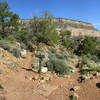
67 40
96 68
61 56
44 29
66 43
34 40
84 72
65 33
87 45
52 50
5 45
1 37
23 46
88 65
21 37
49 65
94 58
56 62
58 66
98 54
12 65
16 52
10 38
48 38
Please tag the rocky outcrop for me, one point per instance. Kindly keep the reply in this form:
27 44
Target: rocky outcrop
76 27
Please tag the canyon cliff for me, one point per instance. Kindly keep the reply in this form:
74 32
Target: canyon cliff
78 28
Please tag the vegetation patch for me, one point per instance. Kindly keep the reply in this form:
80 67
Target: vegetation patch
5 45
11 65
1 71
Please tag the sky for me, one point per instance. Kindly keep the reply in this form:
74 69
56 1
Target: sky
82 10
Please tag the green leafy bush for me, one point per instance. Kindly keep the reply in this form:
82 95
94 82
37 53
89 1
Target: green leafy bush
65 34
59 55
23 46
52 50
67 43
66 39
16 52
58 66
44 29
89 65
98 53
12 65
5 45
87 45
10 38
22 36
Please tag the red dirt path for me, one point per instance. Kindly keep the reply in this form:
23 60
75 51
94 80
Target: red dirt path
19 88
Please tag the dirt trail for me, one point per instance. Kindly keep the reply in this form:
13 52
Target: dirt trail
87 91
20 88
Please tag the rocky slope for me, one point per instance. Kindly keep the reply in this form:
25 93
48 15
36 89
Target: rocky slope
26 84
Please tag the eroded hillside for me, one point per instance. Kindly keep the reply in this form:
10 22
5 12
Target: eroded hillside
76 27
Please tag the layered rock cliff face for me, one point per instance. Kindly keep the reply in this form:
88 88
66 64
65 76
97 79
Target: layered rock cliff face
76 27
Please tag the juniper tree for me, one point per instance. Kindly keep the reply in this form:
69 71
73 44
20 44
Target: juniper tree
8 20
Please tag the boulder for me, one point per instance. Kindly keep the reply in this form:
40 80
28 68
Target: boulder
44 69
84 77
18 45
23 53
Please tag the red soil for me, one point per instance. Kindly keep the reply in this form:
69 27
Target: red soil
20 88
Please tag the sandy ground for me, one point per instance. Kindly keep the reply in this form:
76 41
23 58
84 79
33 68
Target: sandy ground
19 85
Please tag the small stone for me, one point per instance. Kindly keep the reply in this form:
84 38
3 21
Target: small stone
35 77
72 71
84 77
67 76
23 53
97 75
28 77
44 69
46 78
76 88
42 81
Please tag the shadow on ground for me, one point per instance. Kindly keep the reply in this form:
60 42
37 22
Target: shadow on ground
98 85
